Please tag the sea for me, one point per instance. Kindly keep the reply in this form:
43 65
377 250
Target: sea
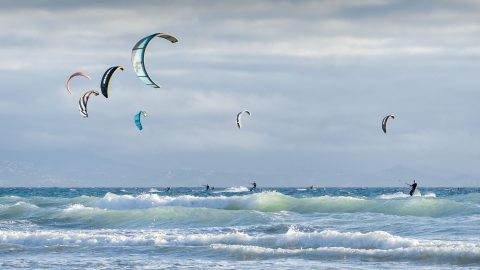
233 228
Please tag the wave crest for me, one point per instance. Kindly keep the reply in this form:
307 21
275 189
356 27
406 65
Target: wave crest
273 201
331 244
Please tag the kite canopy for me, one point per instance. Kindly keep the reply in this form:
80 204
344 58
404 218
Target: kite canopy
138 123
138 57
106 79
239 118
78 73
384 122
82 103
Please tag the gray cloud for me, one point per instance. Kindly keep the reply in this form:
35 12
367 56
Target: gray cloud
318 77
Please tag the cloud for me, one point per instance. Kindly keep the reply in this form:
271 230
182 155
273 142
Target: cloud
318 77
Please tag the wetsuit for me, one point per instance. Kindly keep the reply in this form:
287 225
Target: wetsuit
414 186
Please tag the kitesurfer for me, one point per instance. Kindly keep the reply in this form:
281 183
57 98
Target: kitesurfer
207 187
167 189
254 186
414 186
311 187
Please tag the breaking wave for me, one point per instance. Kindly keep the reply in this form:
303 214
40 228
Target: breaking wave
153 210
331 244
427 205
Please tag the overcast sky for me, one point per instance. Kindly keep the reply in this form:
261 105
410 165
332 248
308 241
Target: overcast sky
317 76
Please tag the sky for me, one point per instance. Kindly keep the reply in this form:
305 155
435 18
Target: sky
317 76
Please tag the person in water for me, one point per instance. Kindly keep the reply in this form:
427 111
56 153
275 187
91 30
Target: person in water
167 189
311 187
254 186
414 186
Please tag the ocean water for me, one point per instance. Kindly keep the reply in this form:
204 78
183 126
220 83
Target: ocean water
232 228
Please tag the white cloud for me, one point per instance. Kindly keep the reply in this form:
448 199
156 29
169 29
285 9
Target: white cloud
318 77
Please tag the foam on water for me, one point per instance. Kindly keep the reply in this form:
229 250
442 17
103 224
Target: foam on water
75 238
329 244
147 210
393 204
359 228
291 239
236 189
452 254
398 195
295 239
272 201
18 209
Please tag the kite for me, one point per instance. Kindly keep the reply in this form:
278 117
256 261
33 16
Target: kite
138 57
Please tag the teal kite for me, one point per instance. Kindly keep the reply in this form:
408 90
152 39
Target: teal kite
138 57
138 123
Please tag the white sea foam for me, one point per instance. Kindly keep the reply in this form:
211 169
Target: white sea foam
76 207
399 195
324 244
272 201
430 195
453 254
236 189
26 204
338 245
151 190
113 201
74 238
291 239
393 196
296 239
276 202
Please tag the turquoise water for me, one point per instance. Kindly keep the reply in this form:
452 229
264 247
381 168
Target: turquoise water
232 228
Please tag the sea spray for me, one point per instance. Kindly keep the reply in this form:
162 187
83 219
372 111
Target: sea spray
280 228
